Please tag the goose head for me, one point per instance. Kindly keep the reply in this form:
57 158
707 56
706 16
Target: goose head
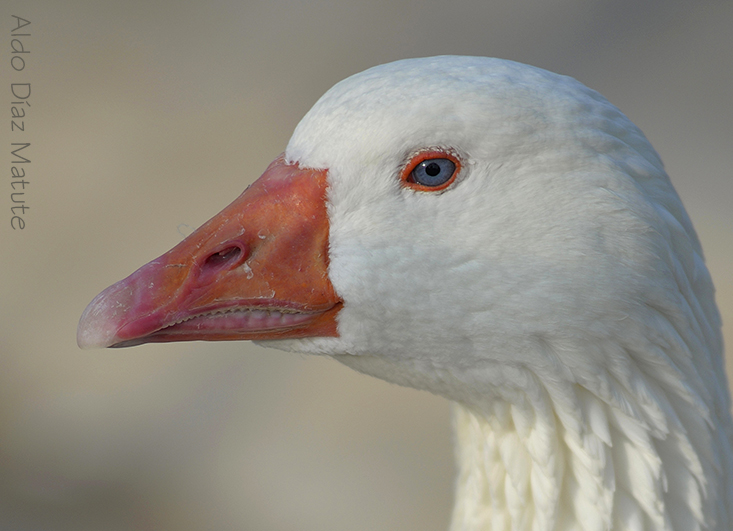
501 236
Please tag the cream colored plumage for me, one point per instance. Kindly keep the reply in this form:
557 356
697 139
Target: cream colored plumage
555 291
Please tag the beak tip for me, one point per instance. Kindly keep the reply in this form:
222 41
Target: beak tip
88 338
99 323
92 332
88 341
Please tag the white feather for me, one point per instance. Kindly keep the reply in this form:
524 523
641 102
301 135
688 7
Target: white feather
556 292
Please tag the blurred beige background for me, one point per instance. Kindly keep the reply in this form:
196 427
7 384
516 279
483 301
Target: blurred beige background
147 118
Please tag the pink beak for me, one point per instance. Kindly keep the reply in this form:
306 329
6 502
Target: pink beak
256 270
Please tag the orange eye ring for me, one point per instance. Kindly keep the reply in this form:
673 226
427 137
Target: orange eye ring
407 175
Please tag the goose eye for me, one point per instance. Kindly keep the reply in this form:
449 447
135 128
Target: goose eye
431 171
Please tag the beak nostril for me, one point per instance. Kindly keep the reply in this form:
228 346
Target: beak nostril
223 257
228 257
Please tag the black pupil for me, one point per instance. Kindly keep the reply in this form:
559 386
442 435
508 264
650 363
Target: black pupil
432 169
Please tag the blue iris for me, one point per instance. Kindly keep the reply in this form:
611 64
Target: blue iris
433 172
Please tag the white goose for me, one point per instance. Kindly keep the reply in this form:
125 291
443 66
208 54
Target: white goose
501 236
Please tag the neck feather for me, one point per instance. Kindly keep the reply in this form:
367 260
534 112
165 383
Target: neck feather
563 458
630 434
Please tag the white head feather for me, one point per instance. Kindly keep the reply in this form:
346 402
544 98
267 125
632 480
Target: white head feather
556 291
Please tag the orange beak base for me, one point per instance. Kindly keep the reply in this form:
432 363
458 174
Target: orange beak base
257 270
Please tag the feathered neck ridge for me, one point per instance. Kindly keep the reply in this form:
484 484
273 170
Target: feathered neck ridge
633 456
630 444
